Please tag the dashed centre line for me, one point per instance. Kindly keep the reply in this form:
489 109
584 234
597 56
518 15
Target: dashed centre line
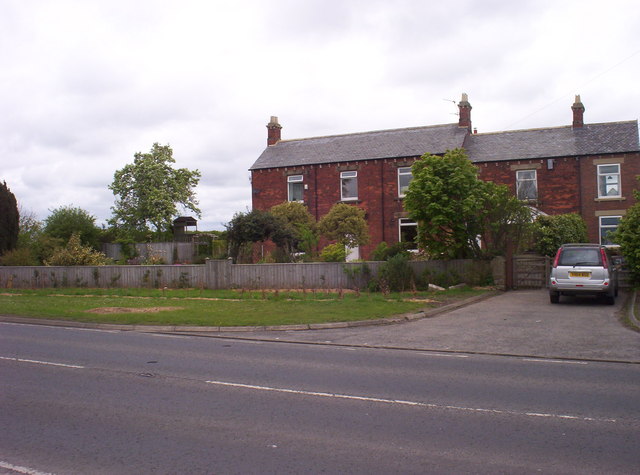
49 363
355 397
19 469
541 360
409 403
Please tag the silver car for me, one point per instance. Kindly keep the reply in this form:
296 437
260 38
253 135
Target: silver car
583 269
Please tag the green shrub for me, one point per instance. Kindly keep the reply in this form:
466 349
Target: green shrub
443 279
334 253
628 236
396 274
76 254
384 252
359 275
550 232
19 257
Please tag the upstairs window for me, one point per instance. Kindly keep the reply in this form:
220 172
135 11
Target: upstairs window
296 188
404 178
609 181
349 185
526 185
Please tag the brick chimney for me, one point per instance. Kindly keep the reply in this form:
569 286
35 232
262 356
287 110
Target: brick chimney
465 112
578 112
273 128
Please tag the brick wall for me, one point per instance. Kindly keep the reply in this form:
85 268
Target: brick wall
558 188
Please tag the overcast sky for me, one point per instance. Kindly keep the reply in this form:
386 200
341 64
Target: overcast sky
85 84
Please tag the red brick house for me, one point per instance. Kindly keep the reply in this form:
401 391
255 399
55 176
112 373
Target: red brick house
588 169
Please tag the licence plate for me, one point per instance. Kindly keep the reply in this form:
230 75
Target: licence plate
579 274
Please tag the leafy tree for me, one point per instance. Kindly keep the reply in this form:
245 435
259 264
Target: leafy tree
30 228
65 221
459 215
504 219
150 191
76 254
297 227
550 232
254 226
345 224
33 245
628 237
9 219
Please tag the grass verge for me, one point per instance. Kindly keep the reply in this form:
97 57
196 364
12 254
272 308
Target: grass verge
217 307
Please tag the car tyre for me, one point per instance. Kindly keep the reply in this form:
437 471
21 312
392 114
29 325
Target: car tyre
554 297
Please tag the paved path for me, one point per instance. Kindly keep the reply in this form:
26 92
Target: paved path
515 323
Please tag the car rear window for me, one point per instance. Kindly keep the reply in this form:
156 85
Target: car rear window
584 257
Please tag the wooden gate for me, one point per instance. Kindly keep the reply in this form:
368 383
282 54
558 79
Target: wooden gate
531 272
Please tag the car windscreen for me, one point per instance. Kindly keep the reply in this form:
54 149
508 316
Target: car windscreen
582 257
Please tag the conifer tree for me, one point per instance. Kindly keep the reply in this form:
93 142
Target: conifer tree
9 219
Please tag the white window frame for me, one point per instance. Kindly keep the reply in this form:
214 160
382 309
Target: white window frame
293 180
608 227
520 181
348 175
405 223
403 172
609 179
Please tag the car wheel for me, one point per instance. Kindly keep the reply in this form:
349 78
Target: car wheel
554 297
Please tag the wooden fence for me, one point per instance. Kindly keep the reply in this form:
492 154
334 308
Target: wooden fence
222 274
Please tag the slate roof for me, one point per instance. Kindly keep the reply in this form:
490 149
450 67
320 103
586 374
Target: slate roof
592 139
394 143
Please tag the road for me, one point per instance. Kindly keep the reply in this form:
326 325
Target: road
91 401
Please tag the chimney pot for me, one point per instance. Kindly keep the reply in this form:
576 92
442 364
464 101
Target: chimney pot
578 112
465 112
273 131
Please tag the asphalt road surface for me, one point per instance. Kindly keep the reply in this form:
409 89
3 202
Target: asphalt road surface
90 401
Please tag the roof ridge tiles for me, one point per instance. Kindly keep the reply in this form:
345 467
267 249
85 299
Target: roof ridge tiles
350 134
557 127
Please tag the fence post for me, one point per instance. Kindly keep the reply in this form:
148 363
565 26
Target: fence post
509 264
218 273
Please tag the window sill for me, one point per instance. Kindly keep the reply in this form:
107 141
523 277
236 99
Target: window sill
610 198
351 200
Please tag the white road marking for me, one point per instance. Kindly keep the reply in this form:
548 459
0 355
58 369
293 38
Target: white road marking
445 355
407 403
17 468
22 360
541 360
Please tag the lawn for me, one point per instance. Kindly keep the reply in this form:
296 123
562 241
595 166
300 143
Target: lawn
216 307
